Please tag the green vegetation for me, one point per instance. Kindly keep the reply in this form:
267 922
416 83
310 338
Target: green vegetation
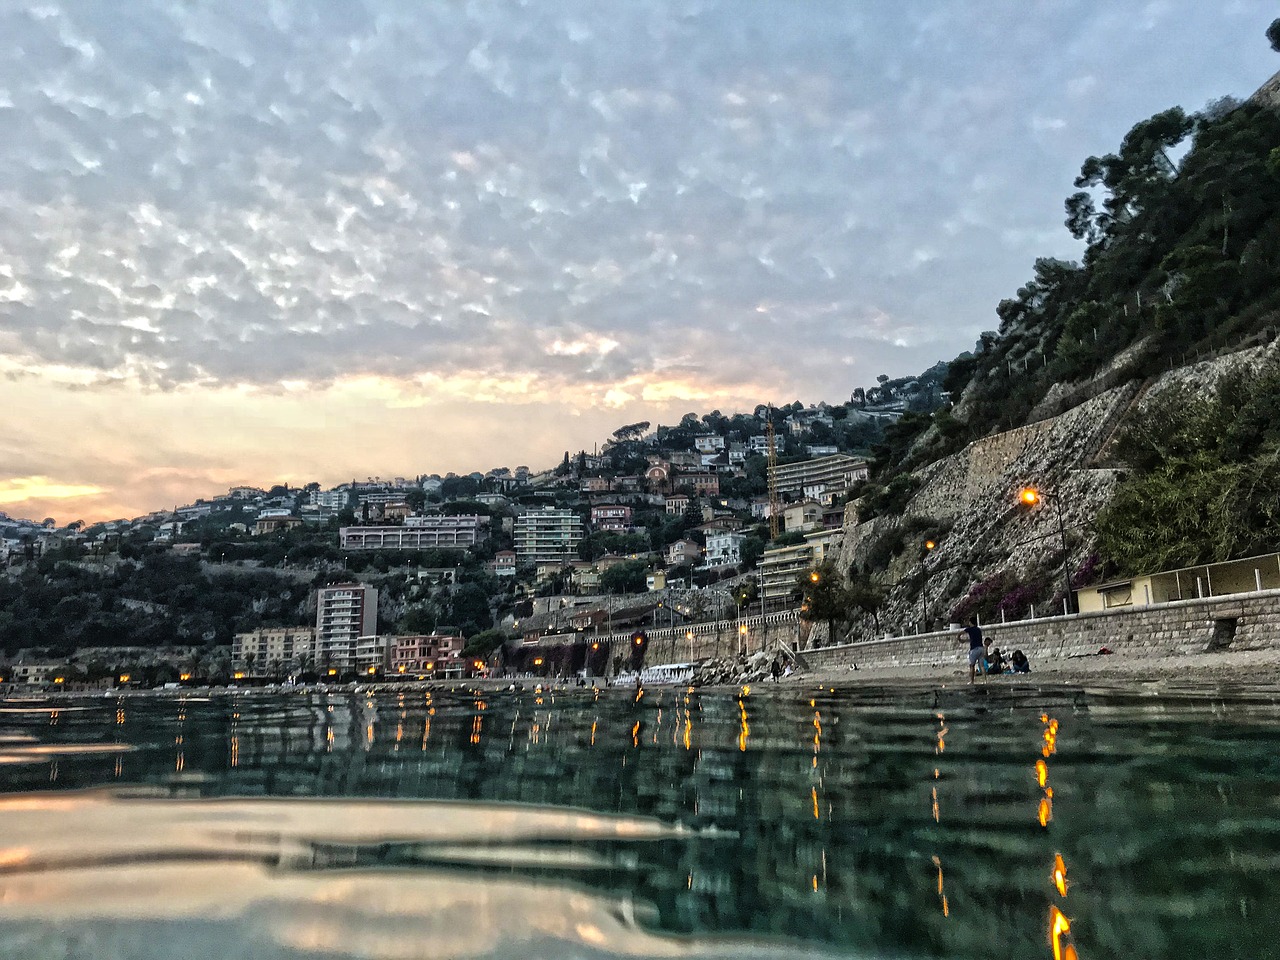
1205 484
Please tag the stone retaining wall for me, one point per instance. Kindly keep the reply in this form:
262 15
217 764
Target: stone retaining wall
1249 621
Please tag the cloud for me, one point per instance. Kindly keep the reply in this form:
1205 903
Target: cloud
612 203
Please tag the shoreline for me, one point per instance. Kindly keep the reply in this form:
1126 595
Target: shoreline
1260 668
1253 667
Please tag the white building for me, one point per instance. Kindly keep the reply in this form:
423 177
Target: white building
724 549
548 535
344 613
417 533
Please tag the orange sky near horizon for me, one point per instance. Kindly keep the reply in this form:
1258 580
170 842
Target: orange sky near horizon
120 451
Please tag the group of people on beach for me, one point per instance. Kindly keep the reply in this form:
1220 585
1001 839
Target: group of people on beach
987 659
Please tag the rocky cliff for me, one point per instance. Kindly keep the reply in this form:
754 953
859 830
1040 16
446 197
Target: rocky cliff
973 497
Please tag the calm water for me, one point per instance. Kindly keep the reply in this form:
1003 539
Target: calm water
1001 821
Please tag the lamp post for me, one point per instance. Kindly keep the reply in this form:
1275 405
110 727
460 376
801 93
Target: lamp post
1032 497
924 586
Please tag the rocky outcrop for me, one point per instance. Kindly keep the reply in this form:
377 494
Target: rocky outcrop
1072 458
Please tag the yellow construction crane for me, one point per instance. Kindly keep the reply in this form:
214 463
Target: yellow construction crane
772 473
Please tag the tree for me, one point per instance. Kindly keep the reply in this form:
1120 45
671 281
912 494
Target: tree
1273 35
825 597
629 577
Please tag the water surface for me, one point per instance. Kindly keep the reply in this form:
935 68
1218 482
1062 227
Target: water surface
1006 820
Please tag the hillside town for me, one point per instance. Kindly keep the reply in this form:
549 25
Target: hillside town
434 576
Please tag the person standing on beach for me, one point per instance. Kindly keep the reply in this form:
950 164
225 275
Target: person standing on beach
977 650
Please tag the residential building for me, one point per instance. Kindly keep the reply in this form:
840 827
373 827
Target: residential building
838 471
724 549
699 484
676 504
329 499
417 533
708 444
274 522
272 649
611 518
424 654
548 534
760 445
781 567
372 654
802 517
504 563
683 551
593 484
345 612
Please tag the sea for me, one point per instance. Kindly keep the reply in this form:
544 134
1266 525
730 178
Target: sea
788 820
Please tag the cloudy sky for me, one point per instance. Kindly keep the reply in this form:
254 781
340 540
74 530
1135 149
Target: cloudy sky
256 241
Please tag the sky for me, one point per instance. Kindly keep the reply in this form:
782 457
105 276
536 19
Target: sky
255 241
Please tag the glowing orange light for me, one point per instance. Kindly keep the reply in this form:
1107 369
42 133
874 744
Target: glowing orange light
239 675
1059 936
1042 772
1029 496
373 670
815 577
1059 875
184 676
929 544
333 673
537 661
124 678
1046 811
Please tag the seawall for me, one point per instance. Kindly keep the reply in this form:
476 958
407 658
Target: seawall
1249 621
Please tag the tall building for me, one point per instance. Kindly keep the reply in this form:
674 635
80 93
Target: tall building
344 613
548 535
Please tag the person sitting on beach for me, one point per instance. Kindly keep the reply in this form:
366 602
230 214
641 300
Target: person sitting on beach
977 652
996 662
1018 661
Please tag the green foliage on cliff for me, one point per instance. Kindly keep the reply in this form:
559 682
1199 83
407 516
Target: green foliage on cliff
1206 479
1181 257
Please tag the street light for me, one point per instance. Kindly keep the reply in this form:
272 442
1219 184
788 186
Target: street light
1033 497
688 635
924 586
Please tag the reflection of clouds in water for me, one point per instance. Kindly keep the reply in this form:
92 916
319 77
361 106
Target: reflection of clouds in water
285 876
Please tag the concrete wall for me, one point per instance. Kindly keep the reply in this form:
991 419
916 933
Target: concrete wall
1186 626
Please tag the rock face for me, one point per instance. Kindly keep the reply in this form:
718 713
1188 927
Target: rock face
1069 457
1269 93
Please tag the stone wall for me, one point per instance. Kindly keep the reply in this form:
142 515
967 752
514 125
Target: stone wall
1182 627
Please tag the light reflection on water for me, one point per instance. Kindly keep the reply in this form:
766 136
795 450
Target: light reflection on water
992 822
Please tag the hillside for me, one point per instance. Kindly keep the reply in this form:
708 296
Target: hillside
1139 388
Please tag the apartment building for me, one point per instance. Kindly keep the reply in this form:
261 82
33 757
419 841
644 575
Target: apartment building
724 548
611 518
547 535
258 650
417 533
840 471
781 567
424 654
345 612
